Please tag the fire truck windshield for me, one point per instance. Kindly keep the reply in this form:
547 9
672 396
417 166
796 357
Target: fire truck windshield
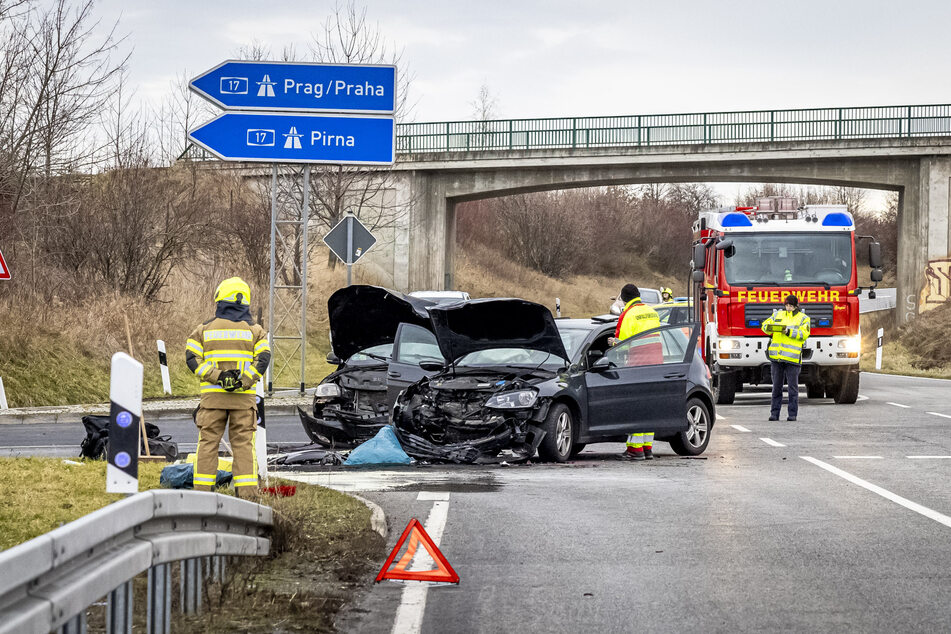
789 259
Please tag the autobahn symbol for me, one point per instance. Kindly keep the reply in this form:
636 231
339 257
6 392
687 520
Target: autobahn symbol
299 86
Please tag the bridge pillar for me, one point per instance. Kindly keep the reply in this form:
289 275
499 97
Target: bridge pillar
924 239
425 236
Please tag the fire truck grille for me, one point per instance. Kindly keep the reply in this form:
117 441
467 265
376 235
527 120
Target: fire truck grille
819 314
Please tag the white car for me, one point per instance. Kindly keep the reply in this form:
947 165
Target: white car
442 297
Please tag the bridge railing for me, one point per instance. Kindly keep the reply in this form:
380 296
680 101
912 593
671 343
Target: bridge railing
676 129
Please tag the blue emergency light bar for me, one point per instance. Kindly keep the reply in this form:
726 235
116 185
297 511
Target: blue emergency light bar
736 220
837 219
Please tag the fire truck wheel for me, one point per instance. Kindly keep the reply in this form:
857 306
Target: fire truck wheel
695 439
848 391
725 388
815 390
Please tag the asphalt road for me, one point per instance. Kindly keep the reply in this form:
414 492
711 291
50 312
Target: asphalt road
838 522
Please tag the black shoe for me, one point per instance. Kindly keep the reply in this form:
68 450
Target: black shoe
792 419
630 455
648 453
774 418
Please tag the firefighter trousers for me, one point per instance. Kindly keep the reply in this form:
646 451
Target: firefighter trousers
241 425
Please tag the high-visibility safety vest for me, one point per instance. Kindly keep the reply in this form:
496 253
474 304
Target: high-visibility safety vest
222 344
782 346
636 317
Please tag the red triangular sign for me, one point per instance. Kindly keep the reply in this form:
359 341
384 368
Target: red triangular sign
417 535
4 271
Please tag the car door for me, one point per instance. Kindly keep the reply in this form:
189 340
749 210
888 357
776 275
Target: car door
413 344
641 383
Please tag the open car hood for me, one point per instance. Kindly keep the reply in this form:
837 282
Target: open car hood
364 316
485 324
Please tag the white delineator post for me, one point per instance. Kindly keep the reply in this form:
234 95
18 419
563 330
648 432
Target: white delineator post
260 434
3 395
557 307
125 412
163 365
878 349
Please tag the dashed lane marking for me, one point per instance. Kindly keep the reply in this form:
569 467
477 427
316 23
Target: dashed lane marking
739 428
772 443
929 457
857 457
899 405
721 417
862 397
888 495
939 414
434 496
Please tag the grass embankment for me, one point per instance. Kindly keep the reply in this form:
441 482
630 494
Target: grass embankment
919 348
322 546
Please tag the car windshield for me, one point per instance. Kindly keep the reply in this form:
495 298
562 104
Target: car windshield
571 338
383 350
789 259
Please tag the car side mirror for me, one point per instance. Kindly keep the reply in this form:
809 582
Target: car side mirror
876 275
875 255
602 365
432 365
333 359
594 355
697 276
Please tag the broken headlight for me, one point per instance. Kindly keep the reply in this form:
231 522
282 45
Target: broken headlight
513 400
327 390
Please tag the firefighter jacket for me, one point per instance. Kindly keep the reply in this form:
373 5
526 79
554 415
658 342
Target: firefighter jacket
789 330
222 344
636 317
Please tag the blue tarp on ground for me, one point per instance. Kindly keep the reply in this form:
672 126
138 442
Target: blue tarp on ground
179 476
384 448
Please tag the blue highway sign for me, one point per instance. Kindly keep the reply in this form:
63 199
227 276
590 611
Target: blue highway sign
299 138
298 86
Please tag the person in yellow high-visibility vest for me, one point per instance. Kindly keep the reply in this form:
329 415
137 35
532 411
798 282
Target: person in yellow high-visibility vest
228 354
789 329
666 295
636 318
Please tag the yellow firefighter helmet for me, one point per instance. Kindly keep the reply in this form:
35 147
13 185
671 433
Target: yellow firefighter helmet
233 289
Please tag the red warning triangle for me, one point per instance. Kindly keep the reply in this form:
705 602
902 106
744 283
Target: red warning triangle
4 271
417 535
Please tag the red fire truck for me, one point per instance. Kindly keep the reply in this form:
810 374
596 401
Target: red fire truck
746 260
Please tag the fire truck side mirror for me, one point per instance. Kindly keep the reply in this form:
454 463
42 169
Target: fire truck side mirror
724 244
699 257
698 276
875 255
876 275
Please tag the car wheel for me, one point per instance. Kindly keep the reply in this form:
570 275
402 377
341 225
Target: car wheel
559 434
694 440
577 448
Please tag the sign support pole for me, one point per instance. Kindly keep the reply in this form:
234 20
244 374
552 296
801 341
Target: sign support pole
270 298
349 251
305 218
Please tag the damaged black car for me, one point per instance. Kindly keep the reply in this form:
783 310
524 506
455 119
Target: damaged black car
518 381
351 404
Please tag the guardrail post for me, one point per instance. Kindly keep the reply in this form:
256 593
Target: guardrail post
772 125
191 586
75 625
119 610
909 121
447 136
159 615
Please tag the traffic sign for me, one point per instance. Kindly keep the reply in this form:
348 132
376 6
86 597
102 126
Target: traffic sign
4 271
299 86
299 138
349 239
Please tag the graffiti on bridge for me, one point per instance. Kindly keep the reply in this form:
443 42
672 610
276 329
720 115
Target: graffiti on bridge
937 288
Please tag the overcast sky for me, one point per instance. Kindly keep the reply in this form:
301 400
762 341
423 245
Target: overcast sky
560 58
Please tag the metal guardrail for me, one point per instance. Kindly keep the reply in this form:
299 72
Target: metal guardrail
749 126
47 583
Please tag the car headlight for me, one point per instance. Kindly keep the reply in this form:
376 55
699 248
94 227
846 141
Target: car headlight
327 390
851 344
513 400
729 344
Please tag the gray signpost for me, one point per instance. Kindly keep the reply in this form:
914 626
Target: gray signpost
287 113
349 240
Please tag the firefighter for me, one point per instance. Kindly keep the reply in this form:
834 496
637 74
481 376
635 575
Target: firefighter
666 295
636 317
789 329
228 354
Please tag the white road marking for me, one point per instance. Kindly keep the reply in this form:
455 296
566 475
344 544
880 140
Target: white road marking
432 496
899 405
929 457
857 457
739 428
409 615
721 417
862 397
772 443
939 414
888 495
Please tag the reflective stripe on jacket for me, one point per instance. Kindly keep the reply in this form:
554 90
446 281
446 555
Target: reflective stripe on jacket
220 345
636 317
782 346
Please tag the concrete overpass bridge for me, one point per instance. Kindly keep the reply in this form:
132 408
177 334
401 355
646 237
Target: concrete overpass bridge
900 148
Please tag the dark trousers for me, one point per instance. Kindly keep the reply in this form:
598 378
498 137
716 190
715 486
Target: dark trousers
787 373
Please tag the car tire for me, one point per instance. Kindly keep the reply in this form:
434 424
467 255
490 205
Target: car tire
815 390
695 439
577 448
848 391
726 388
559 428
